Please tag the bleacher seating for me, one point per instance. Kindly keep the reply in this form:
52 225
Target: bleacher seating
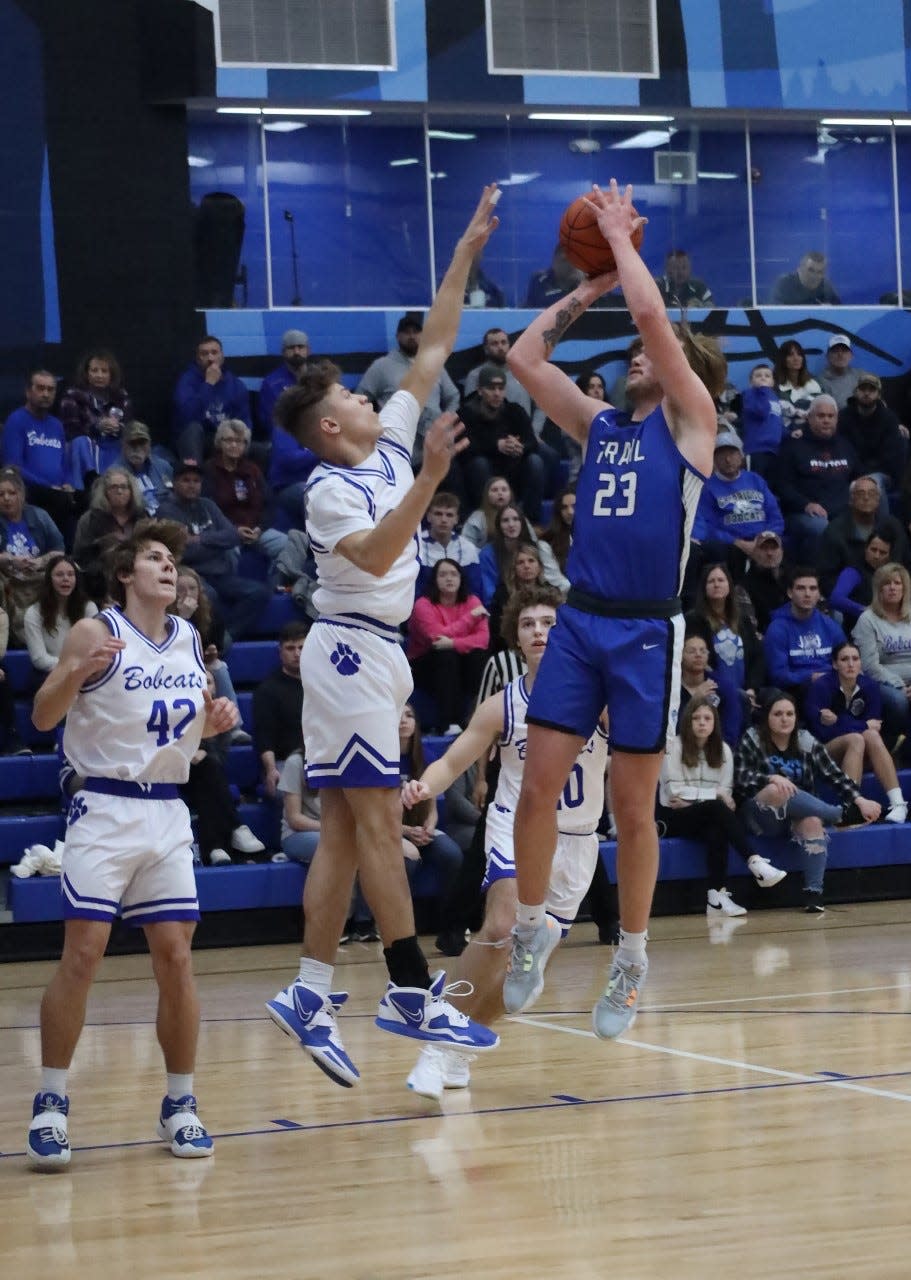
30 814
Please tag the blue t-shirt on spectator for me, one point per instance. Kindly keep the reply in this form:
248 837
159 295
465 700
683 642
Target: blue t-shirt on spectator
37 446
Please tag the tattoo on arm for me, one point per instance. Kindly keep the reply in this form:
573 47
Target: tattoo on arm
562 320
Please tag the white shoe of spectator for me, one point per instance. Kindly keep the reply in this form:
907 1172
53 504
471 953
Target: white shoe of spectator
244 841
219 858
897 813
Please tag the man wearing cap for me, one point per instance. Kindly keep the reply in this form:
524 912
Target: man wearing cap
735 506
295 351
838 379
384 376
155 476
874 431
211 549
501 442
767 578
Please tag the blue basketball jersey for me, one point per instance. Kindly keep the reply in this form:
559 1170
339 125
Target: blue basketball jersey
636 500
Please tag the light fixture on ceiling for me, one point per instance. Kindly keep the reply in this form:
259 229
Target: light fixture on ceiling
284 126
647 138
291 111
399 164
448 135
598 117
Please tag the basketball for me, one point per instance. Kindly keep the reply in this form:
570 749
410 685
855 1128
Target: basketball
583 243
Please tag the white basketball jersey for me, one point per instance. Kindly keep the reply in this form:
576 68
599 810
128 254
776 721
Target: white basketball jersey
142 719
345 500
582 801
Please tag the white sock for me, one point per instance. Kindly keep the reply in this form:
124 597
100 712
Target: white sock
179 1085
895 796
53 1080
316 975
632 947
529 918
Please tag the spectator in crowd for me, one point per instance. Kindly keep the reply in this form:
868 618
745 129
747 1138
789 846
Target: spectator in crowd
814 476
678 286
300 810
440 540
193 604
501 441
211 550
882 634
512 528
480 526
238 488
844 711
847 534
807 286
777 767
696 676
853 589
219 830
155 476
495 345
289 470
448 639
28 539
760 414
480 290
734 648
874 431
115 506
384 376
553 282
295 353
800 640
524 570
795 387
695 802
735 505
62 601
12 744
206 394
97 404
95 411
559 533
278 705
767 579
420 821
837 378
34 441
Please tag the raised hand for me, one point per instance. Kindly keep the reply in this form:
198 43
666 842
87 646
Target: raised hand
100 656
617 216
483 221
413 792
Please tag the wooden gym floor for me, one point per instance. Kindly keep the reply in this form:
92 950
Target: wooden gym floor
756 1122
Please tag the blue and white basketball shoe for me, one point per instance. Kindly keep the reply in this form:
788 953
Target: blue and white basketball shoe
48 1146
428 1015
308 1017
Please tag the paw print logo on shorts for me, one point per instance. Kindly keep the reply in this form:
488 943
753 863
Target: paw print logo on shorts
346 660
78 808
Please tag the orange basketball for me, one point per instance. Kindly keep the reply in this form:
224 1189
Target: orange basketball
583 243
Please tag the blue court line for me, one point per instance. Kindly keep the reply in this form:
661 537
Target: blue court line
558 1102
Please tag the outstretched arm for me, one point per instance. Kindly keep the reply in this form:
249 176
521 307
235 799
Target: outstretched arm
484 727
689 408
442 323
548 386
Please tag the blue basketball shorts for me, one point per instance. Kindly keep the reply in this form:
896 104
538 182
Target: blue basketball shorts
629 665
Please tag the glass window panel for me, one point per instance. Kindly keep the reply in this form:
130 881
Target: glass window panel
825 190
357 213
227 192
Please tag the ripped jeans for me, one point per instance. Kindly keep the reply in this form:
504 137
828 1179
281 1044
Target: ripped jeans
763 820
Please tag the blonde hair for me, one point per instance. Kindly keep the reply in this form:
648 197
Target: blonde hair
885 573
705 358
